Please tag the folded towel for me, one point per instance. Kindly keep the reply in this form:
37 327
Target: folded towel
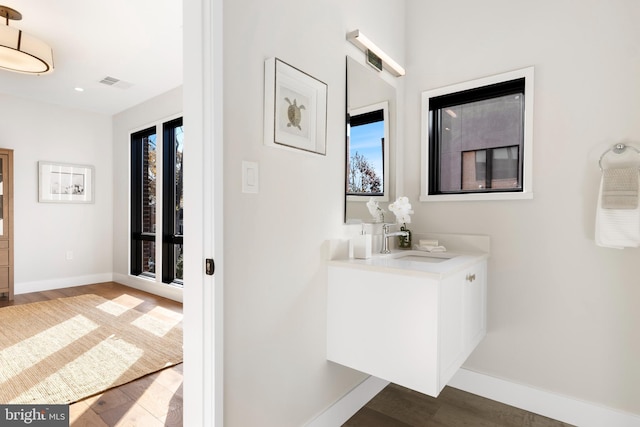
617 228
430 248
620 188
428 242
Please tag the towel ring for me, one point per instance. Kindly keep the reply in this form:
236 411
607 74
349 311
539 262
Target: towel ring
618 149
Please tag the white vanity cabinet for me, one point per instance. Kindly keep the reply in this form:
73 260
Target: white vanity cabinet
411 326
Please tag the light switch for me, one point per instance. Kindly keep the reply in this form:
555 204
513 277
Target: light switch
250 177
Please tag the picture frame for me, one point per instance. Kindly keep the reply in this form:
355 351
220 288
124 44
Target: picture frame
295 108
65 183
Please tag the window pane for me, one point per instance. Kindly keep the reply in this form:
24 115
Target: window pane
178 256
493 168
179 201
366 158
148 257
149 184
504 172
173 201
474 170
179 204
468 130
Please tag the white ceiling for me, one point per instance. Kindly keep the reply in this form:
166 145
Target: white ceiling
136 41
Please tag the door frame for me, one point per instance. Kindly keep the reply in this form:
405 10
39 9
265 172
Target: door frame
203 238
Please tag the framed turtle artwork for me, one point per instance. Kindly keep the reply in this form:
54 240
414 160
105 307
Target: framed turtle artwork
295 108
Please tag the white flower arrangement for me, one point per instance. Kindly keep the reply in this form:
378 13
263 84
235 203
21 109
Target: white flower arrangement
376 211
402 210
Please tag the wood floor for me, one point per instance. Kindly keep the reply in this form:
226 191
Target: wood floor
397 406
153 400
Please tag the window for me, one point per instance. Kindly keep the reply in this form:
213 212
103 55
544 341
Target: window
477 139
156 177
143 202
367 156
172 202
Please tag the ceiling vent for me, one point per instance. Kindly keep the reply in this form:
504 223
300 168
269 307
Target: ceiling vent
112 81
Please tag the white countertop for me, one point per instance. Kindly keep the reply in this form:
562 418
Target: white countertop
390 263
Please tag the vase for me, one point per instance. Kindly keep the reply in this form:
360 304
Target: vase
404 242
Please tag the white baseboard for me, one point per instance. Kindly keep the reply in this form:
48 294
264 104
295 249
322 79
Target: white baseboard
66 282
151 286
171 292
338 413
548 404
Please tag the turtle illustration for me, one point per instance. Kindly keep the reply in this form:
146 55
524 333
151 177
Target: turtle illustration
294 114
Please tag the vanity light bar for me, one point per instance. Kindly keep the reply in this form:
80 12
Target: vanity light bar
357 38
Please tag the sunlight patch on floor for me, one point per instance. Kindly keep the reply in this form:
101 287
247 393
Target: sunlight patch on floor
120 305
158 321
121 353
113 308
32 350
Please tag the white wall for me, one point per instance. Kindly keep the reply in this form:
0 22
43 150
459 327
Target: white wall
44 232
276 373
142 116
562 312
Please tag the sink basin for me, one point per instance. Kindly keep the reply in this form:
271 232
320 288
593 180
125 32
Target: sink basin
420 256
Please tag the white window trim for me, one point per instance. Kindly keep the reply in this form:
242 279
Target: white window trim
527 175
384 106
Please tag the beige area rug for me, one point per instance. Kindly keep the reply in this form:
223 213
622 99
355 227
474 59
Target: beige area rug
64 350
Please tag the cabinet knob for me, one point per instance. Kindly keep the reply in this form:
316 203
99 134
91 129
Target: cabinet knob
471 277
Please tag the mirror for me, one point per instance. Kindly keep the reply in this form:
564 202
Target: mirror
370 141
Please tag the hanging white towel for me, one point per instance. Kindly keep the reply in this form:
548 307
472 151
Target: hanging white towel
620 188
617 228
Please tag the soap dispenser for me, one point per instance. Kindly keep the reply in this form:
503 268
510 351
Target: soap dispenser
361 245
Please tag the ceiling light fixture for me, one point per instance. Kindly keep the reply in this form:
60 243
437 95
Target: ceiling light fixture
21 52
357 38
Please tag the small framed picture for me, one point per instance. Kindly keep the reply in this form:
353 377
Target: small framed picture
295 108
65 183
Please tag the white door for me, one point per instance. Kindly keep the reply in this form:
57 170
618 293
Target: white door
202 26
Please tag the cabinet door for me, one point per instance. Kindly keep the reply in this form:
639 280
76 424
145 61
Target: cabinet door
384 325
452 341
6 219
4 205
463 313
475 305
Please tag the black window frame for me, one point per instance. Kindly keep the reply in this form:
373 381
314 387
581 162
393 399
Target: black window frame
169 235
167 187
437 104
138 236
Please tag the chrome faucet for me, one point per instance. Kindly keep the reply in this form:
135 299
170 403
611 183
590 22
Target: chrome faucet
386 235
